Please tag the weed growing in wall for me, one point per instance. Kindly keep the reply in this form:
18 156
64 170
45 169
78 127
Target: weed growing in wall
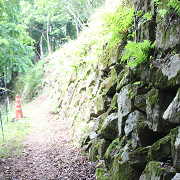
138 51
119 23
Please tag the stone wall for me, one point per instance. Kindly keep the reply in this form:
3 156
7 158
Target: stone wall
129 117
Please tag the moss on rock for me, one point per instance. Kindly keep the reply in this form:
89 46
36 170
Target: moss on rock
123 172
111 151
160 150
152 98
113 105
109 129
93 152
154 170
140 102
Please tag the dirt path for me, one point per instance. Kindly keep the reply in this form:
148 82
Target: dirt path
49 151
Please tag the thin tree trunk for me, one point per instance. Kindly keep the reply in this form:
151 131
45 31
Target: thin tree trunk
41 48
69 29
135 36
47 34
89 6
77 30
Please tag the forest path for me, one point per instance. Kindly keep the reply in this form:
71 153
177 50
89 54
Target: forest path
49 150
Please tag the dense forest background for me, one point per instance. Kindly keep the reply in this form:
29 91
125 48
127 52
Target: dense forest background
30 30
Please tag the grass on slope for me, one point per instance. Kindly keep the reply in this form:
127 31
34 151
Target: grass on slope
13 133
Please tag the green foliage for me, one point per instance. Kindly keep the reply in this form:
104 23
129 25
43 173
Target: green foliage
9 10
59 165
148 16
56 22
162 12
29 83
138 51
13 134
113 107
175 4
100 173
15 52
119 23
16 49
86 49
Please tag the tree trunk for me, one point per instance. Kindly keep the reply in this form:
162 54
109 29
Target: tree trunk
69 29
47 34
41 48
89 6
77 30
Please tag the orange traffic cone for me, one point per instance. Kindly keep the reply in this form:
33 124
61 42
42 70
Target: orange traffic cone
19 113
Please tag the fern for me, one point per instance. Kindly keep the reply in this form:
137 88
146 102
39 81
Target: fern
162 12
119 22
175 4
148 16
139 52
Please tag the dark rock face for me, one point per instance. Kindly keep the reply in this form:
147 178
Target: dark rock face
172 113
166 39
140 134
130 117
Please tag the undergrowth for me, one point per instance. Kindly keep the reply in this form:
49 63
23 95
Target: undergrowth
105 26
13 133
29 84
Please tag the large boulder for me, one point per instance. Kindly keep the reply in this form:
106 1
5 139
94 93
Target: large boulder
171 67
175 146
159 151
168 35
124 78
123 172
164 75
136 128
140 102
125 106
172 113
147 31
99 122
176 177
154 171
111 82
113 106
98 149
157 101
111 152
109 130
121 168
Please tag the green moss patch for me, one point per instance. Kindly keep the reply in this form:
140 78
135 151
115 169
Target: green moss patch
113 105
154 170
152 97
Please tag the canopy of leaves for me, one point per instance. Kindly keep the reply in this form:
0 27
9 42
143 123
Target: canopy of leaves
16 50
56 21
